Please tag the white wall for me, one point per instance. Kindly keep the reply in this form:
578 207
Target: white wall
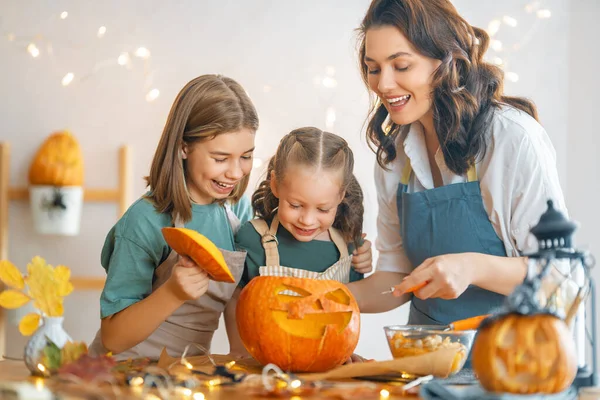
278 50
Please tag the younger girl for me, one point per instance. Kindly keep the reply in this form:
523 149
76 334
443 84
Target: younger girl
310 214
152 298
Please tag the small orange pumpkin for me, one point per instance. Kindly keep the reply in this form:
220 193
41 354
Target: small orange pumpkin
58 162
187 242
525 354
298 324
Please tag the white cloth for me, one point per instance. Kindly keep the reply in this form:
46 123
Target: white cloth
517 176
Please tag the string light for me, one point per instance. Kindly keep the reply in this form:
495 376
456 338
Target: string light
68 78
41 367
33 50
123 59
493 27
512 76
137 381
101 31
142 52
152 95
543 14
64 15
184 391
257 163
329 82
295 384
510 21
384 394
496 45
198 396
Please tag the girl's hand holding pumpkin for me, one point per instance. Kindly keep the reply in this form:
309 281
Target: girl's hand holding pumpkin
447 276
362 257
187 281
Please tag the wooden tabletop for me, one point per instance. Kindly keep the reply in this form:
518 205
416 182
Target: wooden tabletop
16 371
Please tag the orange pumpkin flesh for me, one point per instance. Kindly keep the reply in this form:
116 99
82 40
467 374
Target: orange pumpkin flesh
525 354
301 325
187 242
58 162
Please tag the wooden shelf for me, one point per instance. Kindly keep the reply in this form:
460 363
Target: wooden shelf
121 195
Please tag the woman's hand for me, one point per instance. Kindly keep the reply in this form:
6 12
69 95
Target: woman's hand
446 276
355 358
362 257
187 281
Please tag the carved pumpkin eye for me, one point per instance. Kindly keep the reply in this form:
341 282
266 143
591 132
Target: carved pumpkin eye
309 319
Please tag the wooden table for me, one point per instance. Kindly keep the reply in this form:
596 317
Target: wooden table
17 371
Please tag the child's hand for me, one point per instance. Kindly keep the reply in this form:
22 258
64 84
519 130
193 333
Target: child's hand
187 280
362 259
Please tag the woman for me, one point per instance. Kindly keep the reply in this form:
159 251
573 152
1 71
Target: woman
463 171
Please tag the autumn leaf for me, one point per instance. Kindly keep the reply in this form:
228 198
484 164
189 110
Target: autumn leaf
13 299
29 324
43 288
51 356
62 275
10 275
72 351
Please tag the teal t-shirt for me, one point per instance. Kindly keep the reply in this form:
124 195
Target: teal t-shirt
135 247
316 255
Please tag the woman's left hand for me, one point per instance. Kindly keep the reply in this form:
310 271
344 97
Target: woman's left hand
362 258
446 276
355 358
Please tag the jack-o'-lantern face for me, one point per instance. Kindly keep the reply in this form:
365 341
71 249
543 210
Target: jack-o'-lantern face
307 315
298 324
525 354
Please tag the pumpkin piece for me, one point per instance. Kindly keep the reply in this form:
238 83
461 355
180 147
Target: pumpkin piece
58 162
187 242
525 354
299 324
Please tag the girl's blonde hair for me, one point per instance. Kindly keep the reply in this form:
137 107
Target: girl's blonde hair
313 148
206 107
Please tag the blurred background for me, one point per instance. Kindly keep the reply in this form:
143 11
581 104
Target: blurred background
109 71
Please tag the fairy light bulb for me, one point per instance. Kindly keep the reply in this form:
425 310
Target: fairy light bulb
498 61
68 78
152 95
41 367
64 15
295 384
256 163
136 381
512 76
330 118
493 27
496 45
142 52
510 21
329 82
198 396
101 31
123 59
543 14
33 50
384 394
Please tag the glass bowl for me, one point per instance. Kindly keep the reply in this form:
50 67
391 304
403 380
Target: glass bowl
415 340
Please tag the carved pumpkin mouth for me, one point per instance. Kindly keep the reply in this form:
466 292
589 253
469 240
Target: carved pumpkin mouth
308 316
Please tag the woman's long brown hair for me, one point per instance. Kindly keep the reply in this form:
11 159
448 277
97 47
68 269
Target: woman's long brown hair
466 89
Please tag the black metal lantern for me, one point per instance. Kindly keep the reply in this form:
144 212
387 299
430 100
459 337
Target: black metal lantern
560 277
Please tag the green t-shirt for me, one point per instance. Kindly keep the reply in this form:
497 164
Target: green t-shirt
135 247
316 255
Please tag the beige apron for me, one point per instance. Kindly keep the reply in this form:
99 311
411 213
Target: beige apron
196 320
340 271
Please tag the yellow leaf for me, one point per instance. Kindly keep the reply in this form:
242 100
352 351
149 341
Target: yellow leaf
72 351
41 283
62 275
10 275
13 299
29 324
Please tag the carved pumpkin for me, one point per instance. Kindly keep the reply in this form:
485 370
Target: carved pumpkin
525 354
187 242
58 162
299 324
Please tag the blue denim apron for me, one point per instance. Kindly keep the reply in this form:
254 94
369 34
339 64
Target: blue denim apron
445 220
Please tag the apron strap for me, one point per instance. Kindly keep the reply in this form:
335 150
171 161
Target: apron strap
407 171
268 239
338 240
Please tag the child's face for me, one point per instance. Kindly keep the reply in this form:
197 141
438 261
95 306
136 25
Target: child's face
216 166
308 201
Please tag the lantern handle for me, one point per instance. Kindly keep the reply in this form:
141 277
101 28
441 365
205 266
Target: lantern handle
587 261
